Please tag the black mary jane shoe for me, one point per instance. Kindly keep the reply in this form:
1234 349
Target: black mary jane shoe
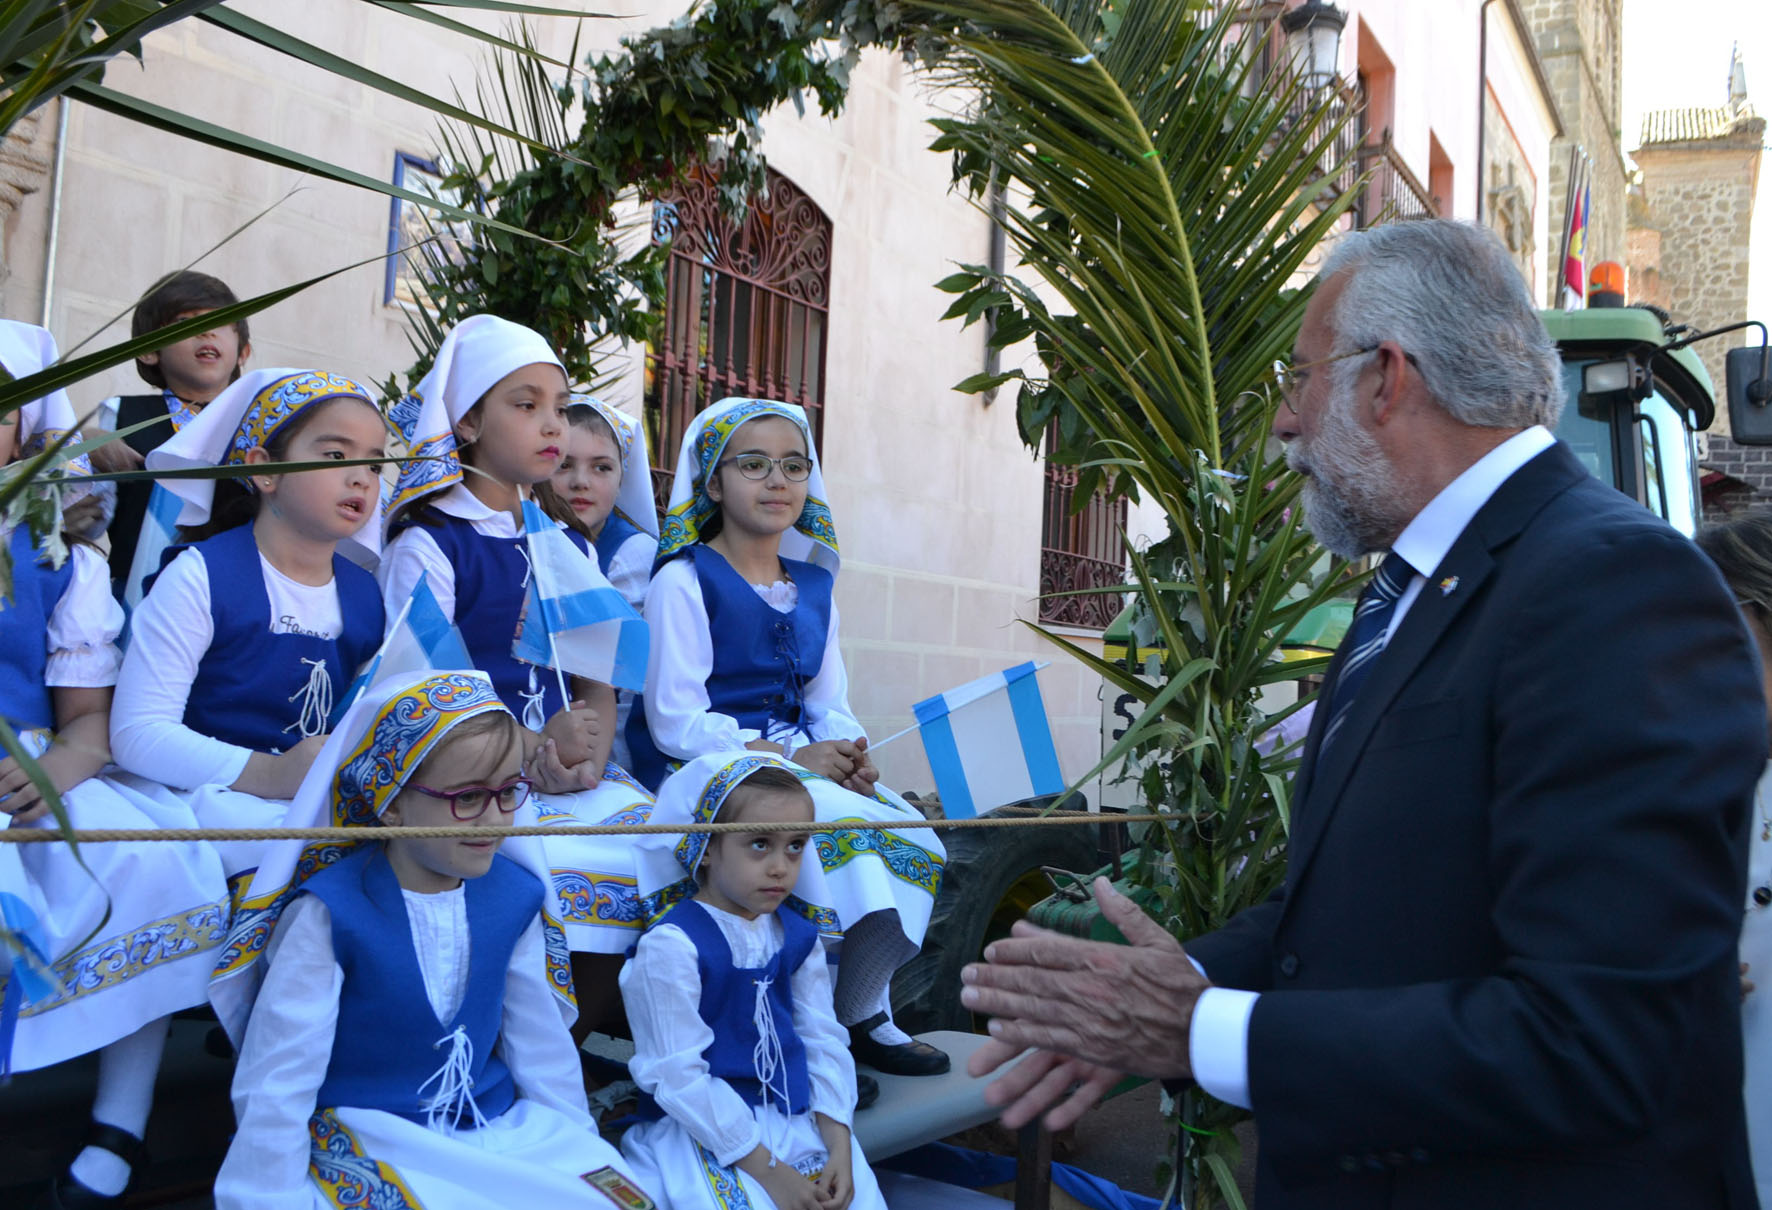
66 1193
911 1058
867 1090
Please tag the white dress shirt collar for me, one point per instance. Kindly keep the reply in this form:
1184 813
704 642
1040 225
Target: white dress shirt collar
1425 540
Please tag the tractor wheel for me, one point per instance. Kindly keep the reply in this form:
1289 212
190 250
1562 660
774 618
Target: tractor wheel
991 879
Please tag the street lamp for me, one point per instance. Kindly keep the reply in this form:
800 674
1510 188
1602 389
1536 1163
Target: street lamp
1313 38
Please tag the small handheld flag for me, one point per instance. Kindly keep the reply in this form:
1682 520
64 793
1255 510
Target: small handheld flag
159 531
987 748
421 640
575 620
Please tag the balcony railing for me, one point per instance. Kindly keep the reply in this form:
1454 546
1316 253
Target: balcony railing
1064 571
1393 193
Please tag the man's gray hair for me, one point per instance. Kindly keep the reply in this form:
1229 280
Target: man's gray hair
1448 293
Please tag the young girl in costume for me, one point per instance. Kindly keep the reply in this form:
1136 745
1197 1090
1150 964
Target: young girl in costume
749 554
605 483
495 404
79 981
239 647
402 1031
749 1092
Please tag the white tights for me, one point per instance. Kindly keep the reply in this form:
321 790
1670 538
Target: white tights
126 1071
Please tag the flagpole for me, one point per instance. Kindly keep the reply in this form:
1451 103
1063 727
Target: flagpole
875 746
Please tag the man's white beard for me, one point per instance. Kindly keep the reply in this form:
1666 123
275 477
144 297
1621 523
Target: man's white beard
1350 495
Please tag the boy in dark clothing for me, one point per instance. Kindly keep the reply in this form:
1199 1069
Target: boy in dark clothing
188 374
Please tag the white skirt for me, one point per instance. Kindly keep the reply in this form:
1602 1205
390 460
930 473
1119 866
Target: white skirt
168 906
870 892
218 807
530 1156
686 1176
596 886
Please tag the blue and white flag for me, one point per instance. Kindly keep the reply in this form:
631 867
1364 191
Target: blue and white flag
575 620
989 743
159 531
422 639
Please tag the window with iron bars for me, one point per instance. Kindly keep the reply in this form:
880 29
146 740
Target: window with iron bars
747 309
1079 548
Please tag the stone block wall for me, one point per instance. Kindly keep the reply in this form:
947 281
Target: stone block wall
1701 196
1580 43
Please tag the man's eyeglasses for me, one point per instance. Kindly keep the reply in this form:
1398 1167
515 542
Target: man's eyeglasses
470 802
1290 379
795 468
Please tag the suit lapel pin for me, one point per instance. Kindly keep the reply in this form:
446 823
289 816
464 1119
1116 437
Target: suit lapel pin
1448 586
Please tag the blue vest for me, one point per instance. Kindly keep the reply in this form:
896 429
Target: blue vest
617 529
762 657
728 1002
24 625
489 600
250 683
385 1045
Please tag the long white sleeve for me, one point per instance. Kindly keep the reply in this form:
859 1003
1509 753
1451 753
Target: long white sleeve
169 635
631 568
83 627
412 554
828 1062
535 1042
282 1064
661 986
678 713
825 704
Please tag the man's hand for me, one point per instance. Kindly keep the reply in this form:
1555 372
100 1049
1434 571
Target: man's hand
1061 1087
1118 1008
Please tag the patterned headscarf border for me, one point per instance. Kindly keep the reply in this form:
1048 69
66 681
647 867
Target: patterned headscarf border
280 401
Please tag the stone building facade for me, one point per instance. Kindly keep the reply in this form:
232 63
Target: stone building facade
1581 44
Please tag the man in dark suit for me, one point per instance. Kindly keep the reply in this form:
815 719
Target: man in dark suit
1502 968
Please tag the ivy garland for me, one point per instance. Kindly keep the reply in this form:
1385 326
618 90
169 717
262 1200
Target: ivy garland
694 89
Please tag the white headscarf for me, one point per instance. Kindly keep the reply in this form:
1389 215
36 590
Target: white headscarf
666 865
634 500
477 353
812 539
26 349
245 416
381 741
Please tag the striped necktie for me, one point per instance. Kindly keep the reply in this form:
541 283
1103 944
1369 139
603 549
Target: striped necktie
1366 636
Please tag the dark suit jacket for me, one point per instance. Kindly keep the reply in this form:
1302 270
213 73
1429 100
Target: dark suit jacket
1502 969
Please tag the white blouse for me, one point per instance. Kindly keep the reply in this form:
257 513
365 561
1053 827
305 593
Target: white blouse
678 710
631 568
83 627
661 986
169 636
289 1039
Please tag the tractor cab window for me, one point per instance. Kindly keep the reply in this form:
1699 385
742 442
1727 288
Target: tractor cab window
1670 485
1589 438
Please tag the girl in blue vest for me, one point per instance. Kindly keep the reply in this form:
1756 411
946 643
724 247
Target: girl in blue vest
247 634
744 655
123 935
605 484
400 1004
490 420
748 1088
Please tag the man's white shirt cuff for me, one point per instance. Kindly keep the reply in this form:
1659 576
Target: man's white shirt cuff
1218 1043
